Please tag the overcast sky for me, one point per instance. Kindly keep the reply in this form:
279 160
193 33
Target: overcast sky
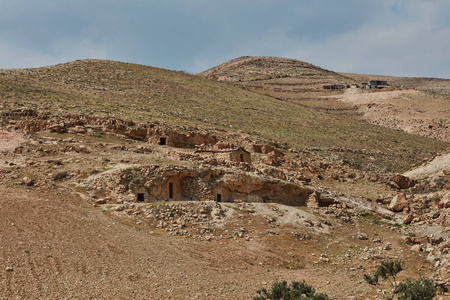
385 37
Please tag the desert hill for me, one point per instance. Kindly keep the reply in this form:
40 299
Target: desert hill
124 181
282 78
415 105
271 70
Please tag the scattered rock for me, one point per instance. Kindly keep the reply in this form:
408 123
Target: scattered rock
416 248
27 181
388 246
408 219
362 236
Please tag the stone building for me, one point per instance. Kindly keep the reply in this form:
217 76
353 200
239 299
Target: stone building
240 155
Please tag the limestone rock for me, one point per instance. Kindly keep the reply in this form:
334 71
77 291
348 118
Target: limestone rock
79 129
313 200
58 128
445 201
27 181
362 236
398 203
416 248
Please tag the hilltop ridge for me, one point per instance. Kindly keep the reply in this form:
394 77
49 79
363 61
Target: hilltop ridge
273 75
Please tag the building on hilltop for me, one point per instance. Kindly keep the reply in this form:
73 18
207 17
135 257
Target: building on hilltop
375 84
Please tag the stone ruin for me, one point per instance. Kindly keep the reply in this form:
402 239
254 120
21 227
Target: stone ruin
158 183
28 120
237 155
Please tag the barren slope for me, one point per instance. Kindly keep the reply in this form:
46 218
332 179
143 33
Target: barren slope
53 246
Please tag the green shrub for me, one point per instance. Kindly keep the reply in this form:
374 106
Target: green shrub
411 289
296 291
422 289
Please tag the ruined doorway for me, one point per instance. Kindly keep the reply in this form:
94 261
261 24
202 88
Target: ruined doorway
162 141
219 197
140 197
170 190
242 157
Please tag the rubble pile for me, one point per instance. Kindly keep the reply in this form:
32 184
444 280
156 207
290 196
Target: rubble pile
199 220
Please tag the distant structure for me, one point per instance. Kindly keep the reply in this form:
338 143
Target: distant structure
372 84
335 86
375 84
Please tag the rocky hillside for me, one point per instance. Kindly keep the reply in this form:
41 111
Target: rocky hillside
147 95
126 181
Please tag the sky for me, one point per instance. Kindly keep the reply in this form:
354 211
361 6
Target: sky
382 37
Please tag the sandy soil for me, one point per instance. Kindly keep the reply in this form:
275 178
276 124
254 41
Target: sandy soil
58 247
9 140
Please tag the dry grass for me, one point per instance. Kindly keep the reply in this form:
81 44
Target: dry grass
146 94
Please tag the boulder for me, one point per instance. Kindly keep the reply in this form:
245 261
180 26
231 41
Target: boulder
270 160
401 182
79 129
398 203
362 236
416 248
58 128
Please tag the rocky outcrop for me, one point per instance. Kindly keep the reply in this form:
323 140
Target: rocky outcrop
30 121
156 183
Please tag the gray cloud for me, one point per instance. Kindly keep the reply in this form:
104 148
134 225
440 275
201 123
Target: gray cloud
394 37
